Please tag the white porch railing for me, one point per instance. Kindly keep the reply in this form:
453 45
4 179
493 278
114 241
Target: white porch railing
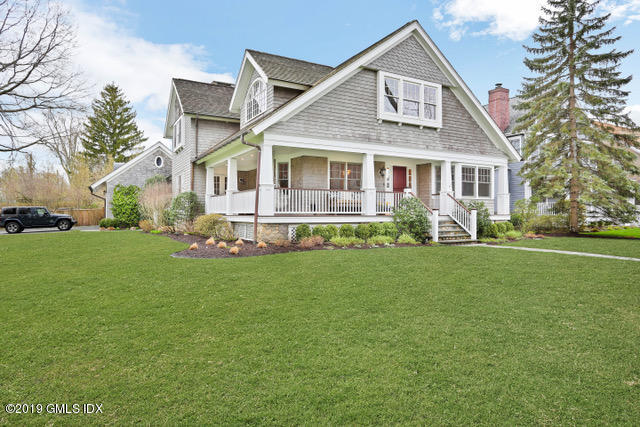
243 202
459 213
216 204
387 200
546 208
317 201
434 202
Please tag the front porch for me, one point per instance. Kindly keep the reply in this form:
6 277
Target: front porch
330 186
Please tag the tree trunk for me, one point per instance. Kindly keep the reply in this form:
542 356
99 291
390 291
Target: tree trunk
574 188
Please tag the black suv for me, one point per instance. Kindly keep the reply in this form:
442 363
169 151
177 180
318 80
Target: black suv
14 220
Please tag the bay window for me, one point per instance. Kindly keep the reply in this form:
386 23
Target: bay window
407 100
345 176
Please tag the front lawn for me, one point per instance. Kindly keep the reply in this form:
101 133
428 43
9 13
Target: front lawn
628 233
619 247
429 335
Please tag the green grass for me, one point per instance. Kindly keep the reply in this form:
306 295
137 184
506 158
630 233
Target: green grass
619 247
629 233
427 335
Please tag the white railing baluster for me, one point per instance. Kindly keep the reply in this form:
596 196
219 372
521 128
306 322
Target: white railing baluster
317 201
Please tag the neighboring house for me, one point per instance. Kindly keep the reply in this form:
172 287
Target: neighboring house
505 113
339 145
155 160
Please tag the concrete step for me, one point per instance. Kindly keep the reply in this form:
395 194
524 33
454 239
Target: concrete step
458 242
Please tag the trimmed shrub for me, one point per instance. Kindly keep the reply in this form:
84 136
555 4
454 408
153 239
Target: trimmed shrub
108 222
410 217
209 225
517 220
346 230
502 228
492 231
483 220
283 243
362 231
509 226
222 245
193 247
548 224
261 244
346 241
145 225
380 240
390 229
155 232
513 235
407 239
210 241
319 230
302 232
124 205
311 242
376 229
184 209
234 250
332 231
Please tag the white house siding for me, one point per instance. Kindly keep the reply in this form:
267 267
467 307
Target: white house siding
210 132
138 174
349 112
516 184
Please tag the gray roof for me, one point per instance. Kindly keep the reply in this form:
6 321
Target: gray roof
289 69
208 99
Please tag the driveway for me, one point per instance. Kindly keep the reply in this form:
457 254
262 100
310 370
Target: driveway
53 229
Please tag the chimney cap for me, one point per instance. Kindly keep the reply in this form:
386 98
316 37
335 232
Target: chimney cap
498 85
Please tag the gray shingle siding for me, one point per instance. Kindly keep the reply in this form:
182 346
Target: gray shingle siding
209 133
516 184
410 59
349 112
138 174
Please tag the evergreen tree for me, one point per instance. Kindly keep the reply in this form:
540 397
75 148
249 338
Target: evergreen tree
574 103
111 130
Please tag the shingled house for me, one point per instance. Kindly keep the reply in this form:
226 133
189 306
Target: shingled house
342 144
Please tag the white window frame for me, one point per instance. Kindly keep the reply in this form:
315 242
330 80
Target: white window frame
277 173
178 140
155 162
520 141
401 118
260 99
476 182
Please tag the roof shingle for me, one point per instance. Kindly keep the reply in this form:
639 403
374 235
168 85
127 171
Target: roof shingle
209 99
289 69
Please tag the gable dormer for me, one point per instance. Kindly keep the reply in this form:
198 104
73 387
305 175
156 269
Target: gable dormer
267 81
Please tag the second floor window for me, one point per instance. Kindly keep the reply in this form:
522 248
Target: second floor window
177 134
407 100
256 100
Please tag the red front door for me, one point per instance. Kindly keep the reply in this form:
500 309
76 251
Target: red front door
399 178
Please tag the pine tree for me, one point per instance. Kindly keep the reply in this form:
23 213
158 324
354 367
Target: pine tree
573 104
111 130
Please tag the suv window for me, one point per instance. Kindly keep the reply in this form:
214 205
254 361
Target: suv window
24 211
41 211
8 211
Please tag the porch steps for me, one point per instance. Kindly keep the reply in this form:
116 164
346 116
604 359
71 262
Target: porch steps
450 232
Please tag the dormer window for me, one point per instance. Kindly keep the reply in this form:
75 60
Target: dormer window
256 101
406 100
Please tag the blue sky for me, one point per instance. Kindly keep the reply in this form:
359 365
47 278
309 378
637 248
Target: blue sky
140 45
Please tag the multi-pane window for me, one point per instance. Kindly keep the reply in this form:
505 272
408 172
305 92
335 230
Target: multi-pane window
345 176
484 182
177 134
516 141
409 178
407 100
468 181
256 100
391 94
283 175
216 185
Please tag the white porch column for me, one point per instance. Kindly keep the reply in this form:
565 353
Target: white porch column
502 198
457 191
435 225
208 190
232 183
445 186
368 185
474 224
266 204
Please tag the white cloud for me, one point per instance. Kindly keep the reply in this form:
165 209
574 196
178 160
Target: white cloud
634 113
109 52
512 19
504 18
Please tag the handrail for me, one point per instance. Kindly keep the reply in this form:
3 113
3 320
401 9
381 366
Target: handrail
458 202
317 189
423 203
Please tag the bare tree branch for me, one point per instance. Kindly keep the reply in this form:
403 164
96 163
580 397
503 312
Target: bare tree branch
36 73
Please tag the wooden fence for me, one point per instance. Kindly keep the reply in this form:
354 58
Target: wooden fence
84 216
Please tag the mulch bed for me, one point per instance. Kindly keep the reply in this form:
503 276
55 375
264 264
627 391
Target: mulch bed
248 248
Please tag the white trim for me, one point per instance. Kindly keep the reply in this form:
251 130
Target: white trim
155 162
466 97
290 85
131 163
400 117
173 91
380 149
310 219
239 90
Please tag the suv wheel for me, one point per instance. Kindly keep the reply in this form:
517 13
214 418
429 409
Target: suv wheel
12 227
64 225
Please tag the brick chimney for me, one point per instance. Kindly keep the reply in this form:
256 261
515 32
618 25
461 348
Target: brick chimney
499 106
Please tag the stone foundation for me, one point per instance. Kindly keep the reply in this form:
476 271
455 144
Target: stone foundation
273 232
